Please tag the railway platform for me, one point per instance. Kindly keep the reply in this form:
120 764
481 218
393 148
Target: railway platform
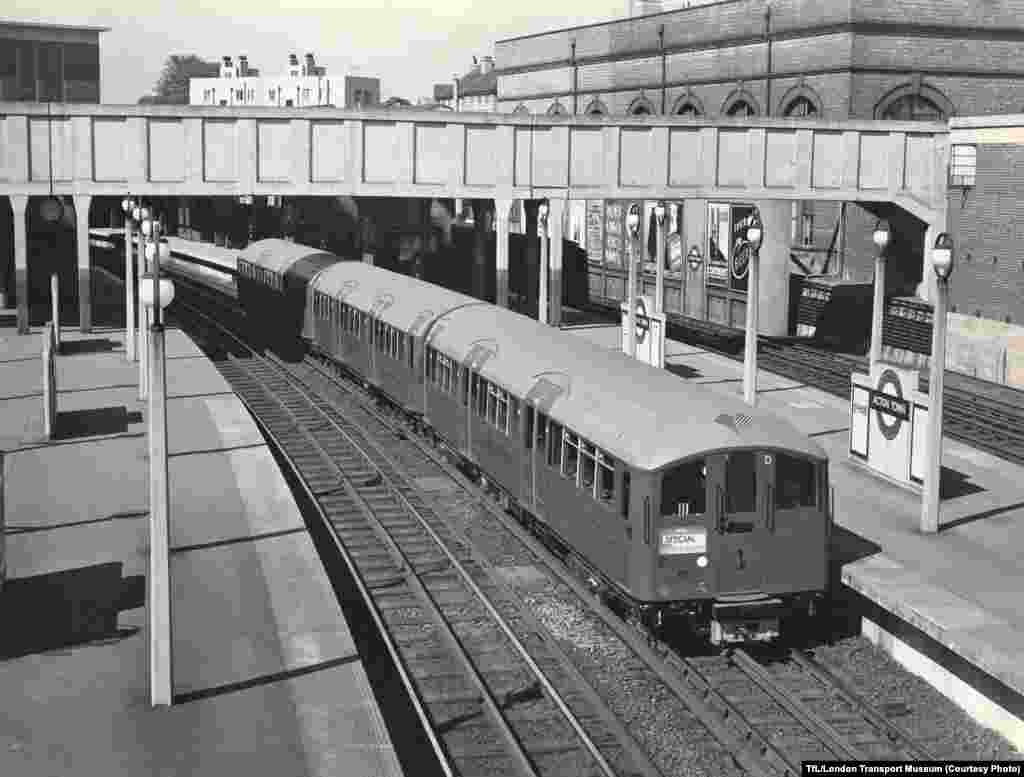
947 605
267 678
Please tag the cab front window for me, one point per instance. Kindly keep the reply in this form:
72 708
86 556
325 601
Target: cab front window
684 490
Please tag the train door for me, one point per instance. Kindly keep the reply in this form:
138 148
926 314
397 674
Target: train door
738 483
797 524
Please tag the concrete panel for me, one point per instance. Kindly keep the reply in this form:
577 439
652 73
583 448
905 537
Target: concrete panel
684 156
551 156
250 610
588 155
919 168
828 160
387 151
435 153
874 160
733 157
220 152
44 134
483 147
274 142
105 370
523 155
245 484
110 135
178 343
74 547
166 150
194 376
780 158
643 156
210 423
16 143
98 480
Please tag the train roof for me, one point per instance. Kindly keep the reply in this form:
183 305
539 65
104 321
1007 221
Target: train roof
403 302
643 415
278 255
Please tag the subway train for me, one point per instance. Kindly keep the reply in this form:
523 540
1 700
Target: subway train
673 500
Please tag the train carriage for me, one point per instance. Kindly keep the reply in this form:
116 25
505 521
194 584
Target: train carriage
677 498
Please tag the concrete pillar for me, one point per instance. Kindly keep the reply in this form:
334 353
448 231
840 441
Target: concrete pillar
659 259
129 290
502 216
750 340
531 248
773 313
543 308
5 248
928 289
19 205
482 215
556 231
160 678
877 311
55 308
936 380
82 203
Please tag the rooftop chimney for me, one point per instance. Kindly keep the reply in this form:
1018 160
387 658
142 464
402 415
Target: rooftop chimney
486 64
293 59
243 65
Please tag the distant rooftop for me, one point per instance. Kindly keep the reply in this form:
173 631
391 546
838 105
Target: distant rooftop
6 23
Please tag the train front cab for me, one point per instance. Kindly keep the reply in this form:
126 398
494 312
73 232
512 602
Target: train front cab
745 534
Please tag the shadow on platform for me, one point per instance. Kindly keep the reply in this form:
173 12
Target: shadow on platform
94 422
980 516
953 484
81 347
842 618
683 371
60 609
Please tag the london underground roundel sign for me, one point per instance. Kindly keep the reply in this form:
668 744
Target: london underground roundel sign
891 409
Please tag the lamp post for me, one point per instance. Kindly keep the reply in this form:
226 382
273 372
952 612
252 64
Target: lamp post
755 236
542 229
659 256
155 293
942 263
142 217
633 227
128 206
881 238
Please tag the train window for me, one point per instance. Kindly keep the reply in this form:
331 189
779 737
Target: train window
588 467
794 482
513 414
529 427
554 445
683 489
431 364
624 508
741 482
570 455
464 384
605 487
542 434
493 400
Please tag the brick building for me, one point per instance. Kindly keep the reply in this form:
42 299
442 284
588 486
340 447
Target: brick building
49 63
477 90
925 59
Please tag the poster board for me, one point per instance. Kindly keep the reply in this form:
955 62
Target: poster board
614 233
595 231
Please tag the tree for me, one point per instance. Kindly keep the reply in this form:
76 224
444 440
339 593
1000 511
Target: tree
172 86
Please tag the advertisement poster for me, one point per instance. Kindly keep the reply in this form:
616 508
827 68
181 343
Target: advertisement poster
739 256
719 234
595 230
614 233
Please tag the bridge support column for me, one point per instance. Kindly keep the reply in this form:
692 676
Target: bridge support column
483 213
556 222
695 225
82 203
773 294
531 250
502 216
19 205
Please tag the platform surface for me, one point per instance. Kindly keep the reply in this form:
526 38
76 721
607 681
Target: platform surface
962 586
267 679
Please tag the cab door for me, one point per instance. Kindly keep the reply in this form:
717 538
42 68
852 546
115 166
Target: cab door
740 548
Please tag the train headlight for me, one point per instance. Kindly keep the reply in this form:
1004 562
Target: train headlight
702 561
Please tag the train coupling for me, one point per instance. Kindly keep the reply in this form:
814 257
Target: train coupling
746 621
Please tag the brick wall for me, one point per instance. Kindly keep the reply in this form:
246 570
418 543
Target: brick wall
988 230
910 53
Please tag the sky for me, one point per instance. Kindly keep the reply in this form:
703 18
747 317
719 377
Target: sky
409 44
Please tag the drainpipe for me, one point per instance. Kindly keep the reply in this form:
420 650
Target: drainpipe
664 65
768 39
575 77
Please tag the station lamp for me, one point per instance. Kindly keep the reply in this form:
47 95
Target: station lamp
633 221
942 256
881 235
755 231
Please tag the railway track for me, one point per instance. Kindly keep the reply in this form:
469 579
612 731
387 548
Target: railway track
644 708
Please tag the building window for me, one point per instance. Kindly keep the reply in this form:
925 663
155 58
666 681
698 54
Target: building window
913 107
289 103
740 108
963 165
557 109
801 106
807 229
270 95
521 109
688 109
641 106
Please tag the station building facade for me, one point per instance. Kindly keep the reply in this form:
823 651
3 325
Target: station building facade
925 60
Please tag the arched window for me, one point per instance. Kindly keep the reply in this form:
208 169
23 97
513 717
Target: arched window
521 109
557 109
641 106
740 108
913 107
688 104
596 108
801 106
688 109
914 102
